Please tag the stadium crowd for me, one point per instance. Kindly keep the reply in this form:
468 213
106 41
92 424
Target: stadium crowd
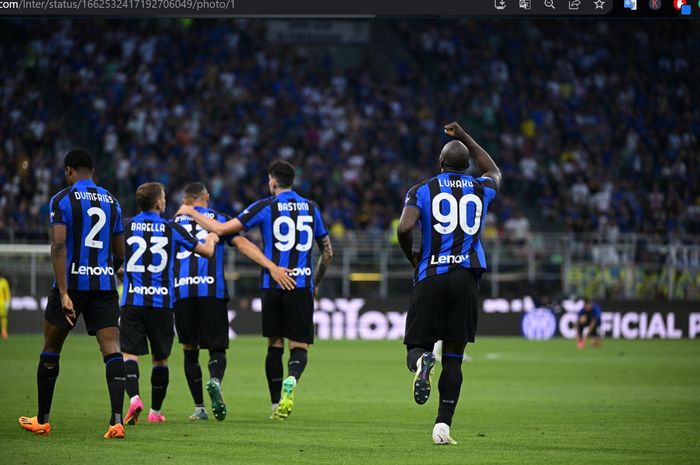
594 129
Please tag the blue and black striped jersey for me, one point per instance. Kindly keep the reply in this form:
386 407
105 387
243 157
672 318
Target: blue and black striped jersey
289 224
453 208
92 217
151 245
197 276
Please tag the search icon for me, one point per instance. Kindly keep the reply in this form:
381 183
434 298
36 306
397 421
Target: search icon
549 4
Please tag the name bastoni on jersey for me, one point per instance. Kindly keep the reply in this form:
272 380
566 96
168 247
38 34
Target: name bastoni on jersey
93 196
293 207
91 270
148 227
193 280
148 290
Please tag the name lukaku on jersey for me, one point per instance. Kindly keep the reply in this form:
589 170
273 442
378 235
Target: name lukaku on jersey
459 183
448 259
91 270
148 227
193 280
148 290
293 207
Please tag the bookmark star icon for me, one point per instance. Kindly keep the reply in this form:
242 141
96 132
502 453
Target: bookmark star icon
599 4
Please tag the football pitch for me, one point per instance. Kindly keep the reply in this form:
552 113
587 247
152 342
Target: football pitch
522 402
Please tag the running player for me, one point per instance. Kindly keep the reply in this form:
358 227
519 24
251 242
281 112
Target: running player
289 224
201 310
147 299
450 207
87 245
588 317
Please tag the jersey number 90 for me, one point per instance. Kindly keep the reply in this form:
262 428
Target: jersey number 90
456 213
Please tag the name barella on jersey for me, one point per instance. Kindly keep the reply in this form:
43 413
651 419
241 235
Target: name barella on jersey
92 217
151 245
453 207
197 276
289 224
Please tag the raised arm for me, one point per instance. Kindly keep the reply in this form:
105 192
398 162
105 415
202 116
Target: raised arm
278 273
324 260
480 156
404 232
210 224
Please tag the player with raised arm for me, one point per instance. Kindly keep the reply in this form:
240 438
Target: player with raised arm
201 296
147 299
87 245
289 224
451 208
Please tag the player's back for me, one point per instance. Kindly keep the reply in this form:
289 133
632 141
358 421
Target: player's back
151 244
197 276
92 217
453 207
289 224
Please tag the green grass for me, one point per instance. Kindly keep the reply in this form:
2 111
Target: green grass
522 402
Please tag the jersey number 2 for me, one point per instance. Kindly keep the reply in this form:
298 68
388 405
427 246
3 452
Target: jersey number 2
90 240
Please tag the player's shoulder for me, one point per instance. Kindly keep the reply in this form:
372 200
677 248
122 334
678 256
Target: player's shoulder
258 205
217 215
60 195
422 185
486 182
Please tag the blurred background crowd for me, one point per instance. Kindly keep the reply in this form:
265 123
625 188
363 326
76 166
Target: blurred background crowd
596 126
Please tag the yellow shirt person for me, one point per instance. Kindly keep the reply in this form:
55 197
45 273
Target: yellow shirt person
4 304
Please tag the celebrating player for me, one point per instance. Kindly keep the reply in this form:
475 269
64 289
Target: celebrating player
147 299
588 317
289 224
450 207
201 313
87 245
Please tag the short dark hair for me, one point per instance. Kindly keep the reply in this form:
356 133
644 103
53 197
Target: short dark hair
282 172
194 190
78 158
148 194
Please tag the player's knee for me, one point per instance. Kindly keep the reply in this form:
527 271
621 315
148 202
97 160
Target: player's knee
275 342
452 347
188 346
298 345
160 363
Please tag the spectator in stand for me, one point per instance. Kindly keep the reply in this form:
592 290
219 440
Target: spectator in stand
583 133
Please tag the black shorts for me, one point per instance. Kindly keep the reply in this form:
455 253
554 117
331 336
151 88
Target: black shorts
202 321
100 309
288 314
443 307
140 326
587 319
